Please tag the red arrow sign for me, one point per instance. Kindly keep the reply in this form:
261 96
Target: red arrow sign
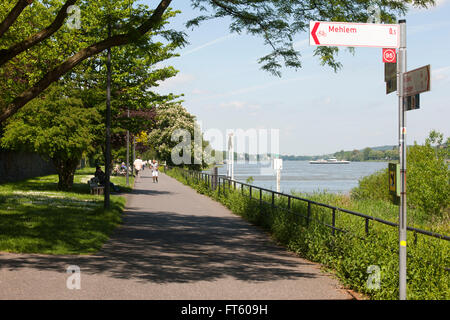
313 32
350 34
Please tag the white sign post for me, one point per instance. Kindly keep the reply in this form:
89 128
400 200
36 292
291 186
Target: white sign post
350 34
409 83
277 166
230 156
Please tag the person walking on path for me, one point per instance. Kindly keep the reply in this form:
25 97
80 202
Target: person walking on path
154 167
138 164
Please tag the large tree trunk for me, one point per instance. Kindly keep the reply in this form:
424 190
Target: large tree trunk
66 171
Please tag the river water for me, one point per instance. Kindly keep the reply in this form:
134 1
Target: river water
301 176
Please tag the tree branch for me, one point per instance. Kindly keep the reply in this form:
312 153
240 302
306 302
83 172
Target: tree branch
79 57
13 15
8 54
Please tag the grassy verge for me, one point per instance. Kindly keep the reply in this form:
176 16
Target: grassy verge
37 218
351 254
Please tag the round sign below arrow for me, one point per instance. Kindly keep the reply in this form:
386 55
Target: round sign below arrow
389 56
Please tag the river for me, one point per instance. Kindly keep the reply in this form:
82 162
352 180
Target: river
301 176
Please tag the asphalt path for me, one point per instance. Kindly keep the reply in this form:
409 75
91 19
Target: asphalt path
173 244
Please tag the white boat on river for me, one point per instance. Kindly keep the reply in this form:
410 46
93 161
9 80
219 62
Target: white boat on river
329 161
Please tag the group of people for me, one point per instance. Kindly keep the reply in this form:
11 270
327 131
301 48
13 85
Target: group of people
139 165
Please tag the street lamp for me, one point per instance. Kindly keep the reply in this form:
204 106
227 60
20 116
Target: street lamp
107 189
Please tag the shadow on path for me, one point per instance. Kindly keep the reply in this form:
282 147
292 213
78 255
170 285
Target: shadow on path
166 247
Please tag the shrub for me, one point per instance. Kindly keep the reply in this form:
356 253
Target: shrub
427 180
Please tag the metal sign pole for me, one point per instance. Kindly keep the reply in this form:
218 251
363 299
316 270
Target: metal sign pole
401 69
232 156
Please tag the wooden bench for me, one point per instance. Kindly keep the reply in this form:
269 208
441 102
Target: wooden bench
95 187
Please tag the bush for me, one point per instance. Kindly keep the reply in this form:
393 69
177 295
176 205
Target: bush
374 187
427 180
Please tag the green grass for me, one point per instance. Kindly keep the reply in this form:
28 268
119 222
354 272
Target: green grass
37 218
350 254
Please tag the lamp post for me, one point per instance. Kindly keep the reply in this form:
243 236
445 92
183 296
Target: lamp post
128 151
108 124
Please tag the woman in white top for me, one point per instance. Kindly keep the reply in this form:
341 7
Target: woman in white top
154 167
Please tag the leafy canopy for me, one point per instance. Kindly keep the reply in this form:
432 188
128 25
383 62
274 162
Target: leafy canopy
42 34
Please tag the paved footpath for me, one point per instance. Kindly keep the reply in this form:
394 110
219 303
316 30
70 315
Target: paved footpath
174 244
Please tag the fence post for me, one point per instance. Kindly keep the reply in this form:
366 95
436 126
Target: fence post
214 178
260 197
334 221
250 192
289 202
309 213
273 199
367 226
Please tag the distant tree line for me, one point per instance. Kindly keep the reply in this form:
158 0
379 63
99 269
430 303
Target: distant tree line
368 154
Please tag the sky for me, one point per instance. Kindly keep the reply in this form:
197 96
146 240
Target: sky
316 110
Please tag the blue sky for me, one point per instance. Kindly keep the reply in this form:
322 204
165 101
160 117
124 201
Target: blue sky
316 110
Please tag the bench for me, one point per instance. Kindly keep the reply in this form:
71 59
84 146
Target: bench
95 187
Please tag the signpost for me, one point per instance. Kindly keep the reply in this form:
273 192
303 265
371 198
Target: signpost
409 85
230 156
416 81
401 69
413 102
278 166
394 182
390 77
350 34
389 56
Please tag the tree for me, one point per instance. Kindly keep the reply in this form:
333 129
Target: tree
57 127
276 21
173 124
134 75
366 153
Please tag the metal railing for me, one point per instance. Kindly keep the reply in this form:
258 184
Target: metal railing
222 183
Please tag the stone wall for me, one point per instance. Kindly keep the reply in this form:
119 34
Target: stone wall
16 166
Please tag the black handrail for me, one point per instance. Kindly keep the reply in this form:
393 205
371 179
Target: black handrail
333 208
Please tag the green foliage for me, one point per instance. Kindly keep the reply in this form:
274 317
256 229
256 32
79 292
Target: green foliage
427 183
428 177
369 154
56 127
171 121
349 254
275 21
374 186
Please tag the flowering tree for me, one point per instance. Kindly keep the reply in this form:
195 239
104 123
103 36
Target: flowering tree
172 124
